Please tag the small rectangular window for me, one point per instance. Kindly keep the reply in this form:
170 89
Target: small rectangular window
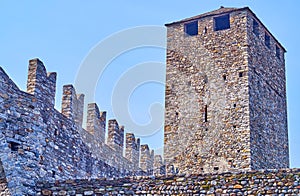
221 22
14 146
277 51
191 28
255 28
267 40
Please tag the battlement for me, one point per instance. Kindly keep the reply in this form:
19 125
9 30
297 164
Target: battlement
115 137
158 165
132 152
147 159
96 121
40 83
72 104
54 144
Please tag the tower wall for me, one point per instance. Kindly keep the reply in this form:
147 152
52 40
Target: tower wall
267 94
207 115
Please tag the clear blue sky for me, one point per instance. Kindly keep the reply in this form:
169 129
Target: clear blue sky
62 33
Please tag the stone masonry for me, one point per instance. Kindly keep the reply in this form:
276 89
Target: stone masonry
40 143
225 107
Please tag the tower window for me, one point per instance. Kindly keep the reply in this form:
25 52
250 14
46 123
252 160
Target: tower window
240 74
255 28
221 22
267 40
277 51
14 146
191 28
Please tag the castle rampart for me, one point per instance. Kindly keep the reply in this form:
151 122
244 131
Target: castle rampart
40 143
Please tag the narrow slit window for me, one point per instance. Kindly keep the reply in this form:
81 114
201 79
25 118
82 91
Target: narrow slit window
224 77
191 28
176 115
267 40
277 52
240 74
221 22
255 28
56 132
205 113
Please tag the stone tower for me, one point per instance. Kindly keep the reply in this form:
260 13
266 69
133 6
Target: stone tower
225 94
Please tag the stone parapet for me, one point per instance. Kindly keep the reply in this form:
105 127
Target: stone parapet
263 182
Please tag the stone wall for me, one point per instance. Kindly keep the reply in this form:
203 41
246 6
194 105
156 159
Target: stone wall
225 107
265 182
267 94
40 143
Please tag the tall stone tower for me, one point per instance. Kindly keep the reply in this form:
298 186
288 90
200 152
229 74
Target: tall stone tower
225 94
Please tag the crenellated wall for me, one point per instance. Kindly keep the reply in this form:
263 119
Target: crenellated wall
40 143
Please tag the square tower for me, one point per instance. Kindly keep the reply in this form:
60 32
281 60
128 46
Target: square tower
225 95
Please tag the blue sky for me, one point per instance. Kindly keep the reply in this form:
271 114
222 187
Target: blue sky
63 33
